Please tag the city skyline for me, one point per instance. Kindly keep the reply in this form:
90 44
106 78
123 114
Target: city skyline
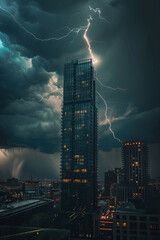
123 37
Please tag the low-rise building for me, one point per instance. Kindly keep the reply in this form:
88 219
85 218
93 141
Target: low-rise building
130 223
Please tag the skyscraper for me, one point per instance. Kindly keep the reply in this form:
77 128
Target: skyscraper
79 139
135 164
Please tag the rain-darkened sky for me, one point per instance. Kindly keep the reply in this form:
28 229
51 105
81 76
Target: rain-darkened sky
36 38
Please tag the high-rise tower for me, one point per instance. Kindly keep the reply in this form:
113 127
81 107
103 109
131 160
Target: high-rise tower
79 141
135 164
79 137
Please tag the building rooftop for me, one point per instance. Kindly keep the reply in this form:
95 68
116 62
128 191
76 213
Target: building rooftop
17 207
128 208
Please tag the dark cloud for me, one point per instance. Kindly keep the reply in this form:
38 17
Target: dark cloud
50 5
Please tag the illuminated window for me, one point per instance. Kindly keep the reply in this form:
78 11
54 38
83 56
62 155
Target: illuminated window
66 180
77 180
84 170
124 224
76 170
84 180
76 156
65 146
117 224
136 164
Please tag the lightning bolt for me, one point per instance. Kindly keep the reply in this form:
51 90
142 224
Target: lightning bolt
97 10
73 30
107 119
95 60
70 30
106 86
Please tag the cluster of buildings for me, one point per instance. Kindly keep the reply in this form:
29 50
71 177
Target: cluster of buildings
119 217
132 197
128 200
132 180
13 190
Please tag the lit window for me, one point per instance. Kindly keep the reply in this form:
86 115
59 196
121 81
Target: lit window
81 160
84 170
118 224
65 146
124 224
76 156
84 180
77 180
66 180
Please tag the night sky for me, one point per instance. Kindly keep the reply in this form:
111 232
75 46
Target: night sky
124 37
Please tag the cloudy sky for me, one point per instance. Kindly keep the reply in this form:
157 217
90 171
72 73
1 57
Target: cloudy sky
36 38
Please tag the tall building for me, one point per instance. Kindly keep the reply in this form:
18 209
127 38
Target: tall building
135 164
79 142
113 177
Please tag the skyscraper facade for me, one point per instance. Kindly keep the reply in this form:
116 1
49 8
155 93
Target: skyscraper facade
79 141
79 137
135 164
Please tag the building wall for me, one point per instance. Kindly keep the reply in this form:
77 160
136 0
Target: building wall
136 226
135 164
79 137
